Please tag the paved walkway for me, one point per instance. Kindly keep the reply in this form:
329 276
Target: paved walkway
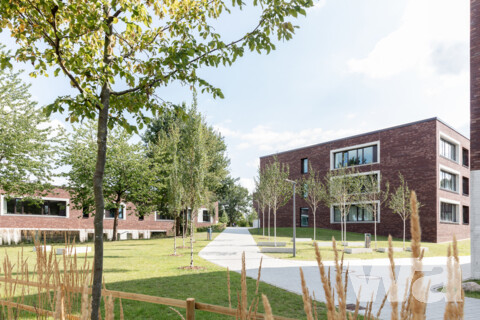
372 275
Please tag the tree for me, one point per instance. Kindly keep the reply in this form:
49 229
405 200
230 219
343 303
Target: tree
279 189
26 141
372 197
125 171
115 54
399 203
194 168
260 196
344 187
234 200
314 192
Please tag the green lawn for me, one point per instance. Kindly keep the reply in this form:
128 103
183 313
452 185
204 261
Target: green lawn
306 251
147 267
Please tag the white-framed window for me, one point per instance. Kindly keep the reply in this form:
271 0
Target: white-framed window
304 165
449 211
449 179
358 213
374 174
304 217
362 154
122 214
46 207
204 215
449 147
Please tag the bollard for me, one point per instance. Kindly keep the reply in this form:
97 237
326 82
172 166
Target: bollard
368 239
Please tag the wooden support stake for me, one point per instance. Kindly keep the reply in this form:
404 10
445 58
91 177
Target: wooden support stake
190 309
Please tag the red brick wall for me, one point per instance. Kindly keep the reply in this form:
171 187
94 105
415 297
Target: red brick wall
409 149
475 84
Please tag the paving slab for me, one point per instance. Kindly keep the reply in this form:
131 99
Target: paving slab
357 250
44 248
227 248
276 250
71 251
395 249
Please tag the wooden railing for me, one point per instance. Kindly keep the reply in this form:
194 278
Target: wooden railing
190 305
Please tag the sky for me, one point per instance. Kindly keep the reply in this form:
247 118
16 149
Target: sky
353 66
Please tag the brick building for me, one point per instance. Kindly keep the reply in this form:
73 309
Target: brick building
58 214
433 158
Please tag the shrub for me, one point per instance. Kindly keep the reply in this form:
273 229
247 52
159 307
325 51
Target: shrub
219 227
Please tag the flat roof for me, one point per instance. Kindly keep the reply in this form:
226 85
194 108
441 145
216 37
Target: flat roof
367 133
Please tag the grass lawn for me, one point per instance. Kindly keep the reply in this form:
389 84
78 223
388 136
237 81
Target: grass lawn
306 251
145 266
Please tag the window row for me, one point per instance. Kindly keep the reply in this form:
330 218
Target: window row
449 212
450 150
449 181
34 207
353 157
356 213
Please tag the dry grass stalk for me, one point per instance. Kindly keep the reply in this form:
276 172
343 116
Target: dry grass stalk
393 291
382 305
342 301
267 307
173 309
244 289
307 305
331 310
315 306
259 274
455 293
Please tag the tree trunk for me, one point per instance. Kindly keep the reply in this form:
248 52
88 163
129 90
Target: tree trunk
99 201
263 222
115 224
375 231
183 229
269 224
175 237
314 227
191 240
403 234
275 227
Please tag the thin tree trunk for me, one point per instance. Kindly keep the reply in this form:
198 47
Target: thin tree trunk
115 224
275 227
102 131
403 234
263 222
191 240
314 226
375 230
175 236
183 229
268 224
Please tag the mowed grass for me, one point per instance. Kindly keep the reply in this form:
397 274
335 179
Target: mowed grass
147 267
305 250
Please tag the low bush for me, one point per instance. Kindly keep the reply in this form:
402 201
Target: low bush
219 227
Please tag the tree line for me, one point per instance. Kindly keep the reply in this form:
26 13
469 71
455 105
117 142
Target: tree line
340 189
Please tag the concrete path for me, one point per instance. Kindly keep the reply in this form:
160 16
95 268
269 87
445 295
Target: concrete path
371 275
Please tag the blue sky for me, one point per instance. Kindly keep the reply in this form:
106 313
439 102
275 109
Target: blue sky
352 67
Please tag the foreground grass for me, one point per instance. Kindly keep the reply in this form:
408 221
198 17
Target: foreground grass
147 267
305 250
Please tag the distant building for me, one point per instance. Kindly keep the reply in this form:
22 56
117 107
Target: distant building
433 158
56 214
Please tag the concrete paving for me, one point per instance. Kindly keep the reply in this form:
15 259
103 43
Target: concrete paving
371 275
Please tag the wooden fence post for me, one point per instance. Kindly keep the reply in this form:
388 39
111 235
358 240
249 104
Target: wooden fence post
190 309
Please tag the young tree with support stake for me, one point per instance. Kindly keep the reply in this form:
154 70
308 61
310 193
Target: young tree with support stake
115 54
344 187
279 189
399 203
260 197
314 192
372 197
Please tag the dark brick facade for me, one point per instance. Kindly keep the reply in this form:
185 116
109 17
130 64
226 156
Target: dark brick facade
475 83
411 149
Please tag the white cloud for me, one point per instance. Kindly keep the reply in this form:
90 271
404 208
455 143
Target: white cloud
247 183
427 26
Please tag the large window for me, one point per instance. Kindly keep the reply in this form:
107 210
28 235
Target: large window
448 181
466 215
448 212
304 164
304 217
38 208
448 149
110 214
465 186
465 157
356 214
358 156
